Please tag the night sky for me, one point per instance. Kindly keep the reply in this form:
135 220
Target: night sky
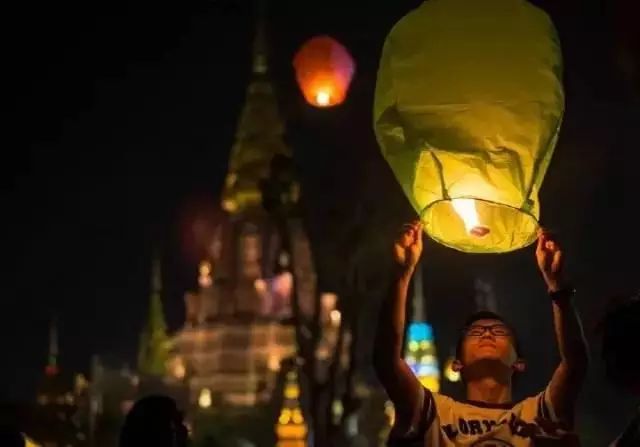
123 118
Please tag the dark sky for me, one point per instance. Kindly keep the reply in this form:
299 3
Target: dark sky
123 117
126 114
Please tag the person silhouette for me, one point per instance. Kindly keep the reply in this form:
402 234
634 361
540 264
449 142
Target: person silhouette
620 339
154 421
11 438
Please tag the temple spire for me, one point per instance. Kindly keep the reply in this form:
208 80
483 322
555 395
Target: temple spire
156 275
52 358
259 135
154 341
260 53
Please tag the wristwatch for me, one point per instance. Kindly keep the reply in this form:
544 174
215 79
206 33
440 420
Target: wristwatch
562 294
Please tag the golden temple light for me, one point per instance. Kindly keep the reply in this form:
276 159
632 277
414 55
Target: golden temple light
204 271
205 399
449 373
291 428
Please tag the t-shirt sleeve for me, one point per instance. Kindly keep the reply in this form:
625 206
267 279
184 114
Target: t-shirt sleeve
545 407
414 436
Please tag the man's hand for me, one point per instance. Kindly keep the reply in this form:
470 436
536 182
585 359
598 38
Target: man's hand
408 247
550 260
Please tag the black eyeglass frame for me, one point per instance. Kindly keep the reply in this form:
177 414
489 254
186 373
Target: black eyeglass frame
491 328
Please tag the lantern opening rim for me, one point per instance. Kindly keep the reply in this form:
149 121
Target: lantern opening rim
525 214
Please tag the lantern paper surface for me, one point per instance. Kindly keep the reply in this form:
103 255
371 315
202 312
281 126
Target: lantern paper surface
324 69
468 106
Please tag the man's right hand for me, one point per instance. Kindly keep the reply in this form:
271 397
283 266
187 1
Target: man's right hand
408 247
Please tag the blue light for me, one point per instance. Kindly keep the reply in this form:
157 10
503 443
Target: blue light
427 370
420 331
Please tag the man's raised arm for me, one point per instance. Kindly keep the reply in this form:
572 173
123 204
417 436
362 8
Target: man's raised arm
568 377
396 377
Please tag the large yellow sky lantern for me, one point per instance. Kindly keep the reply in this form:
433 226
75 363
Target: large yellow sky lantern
468 107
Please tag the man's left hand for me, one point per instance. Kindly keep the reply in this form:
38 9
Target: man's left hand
550 260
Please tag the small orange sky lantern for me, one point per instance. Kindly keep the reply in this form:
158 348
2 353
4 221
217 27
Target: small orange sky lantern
324 69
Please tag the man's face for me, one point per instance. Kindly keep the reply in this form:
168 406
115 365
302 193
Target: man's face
488 340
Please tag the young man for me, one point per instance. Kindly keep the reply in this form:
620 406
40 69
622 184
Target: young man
487 359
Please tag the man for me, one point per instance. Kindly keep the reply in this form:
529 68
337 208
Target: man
487 360
620 341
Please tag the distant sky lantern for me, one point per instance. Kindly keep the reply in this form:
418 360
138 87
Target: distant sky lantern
324 69
468 106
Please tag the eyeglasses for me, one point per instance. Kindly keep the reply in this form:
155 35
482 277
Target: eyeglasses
497 330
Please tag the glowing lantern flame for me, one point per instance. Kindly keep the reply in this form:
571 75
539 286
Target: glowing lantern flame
466 209
323 98
324 69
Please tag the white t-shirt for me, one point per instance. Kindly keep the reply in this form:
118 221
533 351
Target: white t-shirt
445 422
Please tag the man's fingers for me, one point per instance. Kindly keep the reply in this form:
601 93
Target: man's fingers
550 236
417 229
410 231
557 257
547 240
541 241
417 233
406 229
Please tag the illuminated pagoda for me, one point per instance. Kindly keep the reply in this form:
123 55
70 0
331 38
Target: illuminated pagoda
421 355
420 352
59 417
239 323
